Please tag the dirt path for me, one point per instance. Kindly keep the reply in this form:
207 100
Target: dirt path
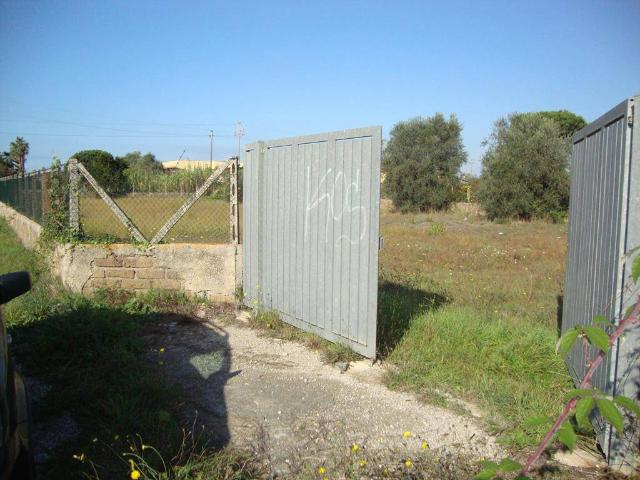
278 400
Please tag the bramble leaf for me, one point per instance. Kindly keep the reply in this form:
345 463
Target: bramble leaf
566 341
580 392
488 464
597 337
628 404
611 413
635 269
602 320
583 409
489 470
567 436
507 465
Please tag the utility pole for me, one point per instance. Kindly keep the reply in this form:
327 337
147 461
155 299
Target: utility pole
239 133
211 135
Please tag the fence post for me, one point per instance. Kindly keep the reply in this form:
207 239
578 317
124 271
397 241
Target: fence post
74 191
45 191
233 201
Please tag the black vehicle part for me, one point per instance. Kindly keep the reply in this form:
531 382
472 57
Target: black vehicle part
13 285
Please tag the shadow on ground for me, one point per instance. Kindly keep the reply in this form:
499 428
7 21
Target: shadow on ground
98 388
398 304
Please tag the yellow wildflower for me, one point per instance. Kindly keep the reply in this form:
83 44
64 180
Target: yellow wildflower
321 471
424 445
408 463
135 474
406 434
355 447
161 349
363 463
385 472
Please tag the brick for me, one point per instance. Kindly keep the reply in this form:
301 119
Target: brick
139 262
135 284
109 262
98 273
166 284
105 282
173 275
119 272
149 273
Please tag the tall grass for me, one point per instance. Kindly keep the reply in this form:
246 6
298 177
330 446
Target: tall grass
511 371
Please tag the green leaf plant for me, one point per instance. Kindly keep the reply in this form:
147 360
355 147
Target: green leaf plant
583 400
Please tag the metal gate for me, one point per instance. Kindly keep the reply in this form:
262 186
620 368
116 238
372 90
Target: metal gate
311 232
604 225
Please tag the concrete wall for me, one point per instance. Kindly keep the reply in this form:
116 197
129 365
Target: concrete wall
26 229
211 271
204 270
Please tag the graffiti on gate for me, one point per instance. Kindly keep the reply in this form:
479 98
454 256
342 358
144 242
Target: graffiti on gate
336 182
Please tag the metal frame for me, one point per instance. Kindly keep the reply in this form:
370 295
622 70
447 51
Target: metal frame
311 232
604 226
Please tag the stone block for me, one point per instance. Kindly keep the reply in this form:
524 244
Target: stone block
166 284
138 262
135 284
149 273
108 262
118 273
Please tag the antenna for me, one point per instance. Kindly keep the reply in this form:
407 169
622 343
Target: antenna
211 135
239 133
180 157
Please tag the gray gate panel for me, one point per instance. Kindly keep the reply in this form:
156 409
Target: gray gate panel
312 213
603 216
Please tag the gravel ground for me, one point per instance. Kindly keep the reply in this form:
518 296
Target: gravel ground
278 400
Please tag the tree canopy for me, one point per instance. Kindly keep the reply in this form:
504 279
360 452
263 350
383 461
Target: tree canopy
138 162
568 122
524 170
108 171
6 164
18 151
421 162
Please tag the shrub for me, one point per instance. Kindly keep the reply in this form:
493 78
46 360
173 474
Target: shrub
524 170
108 171
422 161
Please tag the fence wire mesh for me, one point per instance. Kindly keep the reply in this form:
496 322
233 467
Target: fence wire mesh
150 199
27 194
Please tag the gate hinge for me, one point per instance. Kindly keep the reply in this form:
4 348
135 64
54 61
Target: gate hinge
380 243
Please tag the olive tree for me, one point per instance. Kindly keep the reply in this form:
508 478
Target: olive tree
525 169
422 160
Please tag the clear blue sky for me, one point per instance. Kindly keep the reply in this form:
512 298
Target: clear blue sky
157 75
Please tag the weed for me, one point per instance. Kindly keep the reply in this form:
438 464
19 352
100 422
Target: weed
270 323
437 228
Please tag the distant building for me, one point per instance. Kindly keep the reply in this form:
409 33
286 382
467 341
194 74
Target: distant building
191 164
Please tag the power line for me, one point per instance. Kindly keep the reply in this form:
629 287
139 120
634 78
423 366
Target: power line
162 135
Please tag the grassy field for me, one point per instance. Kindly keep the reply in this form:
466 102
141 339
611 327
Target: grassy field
95 386
468 307
207 221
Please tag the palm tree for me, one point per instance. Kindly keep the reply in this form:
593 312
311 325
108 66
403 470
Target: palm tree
18 151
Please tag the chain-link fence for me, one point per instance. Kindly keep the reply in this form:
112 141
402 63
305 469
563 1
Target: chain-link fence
28 194
150 199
